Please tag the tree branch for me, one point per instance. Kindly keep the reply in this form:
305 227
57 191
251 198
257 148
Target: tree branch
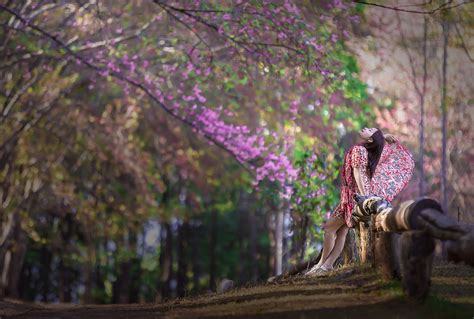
243 44
11 101
410 58
463 44
116 40
442 7
124 78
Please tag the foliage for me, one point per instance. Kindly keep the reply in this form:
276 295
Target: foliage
120 119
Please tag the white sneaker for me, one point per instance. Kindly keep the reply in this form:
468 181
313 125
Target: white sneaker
313 270
319 271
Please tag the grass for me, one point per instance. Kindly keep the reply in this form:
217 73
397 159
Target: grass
352 292
446 309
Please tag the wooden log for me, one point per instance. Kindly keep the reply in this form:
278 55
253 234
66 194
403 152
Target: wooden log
422 214
405 216
416 258
399 218
462 250
367 206
459 236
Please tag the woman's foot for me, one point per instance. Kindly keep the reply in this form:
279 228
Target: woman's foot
313 270
319 271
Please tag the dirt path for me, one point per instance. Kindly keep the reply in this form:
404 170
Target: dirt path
352 292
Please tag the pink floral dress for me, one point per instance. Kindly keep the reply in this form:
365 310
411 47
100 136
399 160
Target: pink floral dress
393 172
391 175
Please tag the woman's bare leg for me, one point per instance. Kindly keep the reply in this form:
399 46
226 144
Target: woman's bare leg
330 229
341 235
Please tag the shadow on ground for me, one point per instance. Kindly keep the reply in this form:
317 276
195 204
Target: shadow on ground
349 292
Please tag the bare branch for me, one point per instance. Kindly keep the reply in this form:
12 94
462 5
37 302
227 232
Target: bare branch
410 58
463 44
242 44
442 7
10 102
201 40
415 4
116 40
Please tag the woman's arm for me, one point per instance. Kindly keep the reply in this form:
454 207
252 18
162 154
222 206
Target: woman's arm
363 188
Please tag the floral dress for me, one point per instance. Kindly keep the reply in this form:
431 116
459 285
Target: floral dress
391 175
393 172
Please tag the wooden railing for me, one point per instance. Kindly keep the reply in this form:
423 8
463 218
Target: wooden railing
400 240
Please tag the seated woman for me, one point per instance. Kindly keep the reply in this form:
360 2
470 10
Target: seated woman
371 167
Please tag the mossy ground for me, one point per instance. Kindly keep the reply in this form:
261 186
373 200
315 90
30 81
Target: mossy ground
348 292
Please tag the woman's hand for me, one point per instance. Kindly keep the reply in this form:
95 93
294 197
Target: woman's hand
390 138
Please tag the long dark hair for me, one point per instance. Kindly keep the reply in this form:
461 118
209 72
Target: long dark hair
374 150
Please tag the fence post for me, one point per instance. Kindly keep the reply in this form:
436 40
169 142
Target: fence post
365 242
416 260
386 257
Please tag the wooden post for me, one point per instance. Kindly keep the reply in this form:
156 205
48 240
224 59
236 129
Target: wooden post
372 241
416 258
365 243
386 256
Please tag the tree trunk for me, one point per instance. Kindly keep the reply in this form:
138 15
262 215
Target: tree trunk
422 110
196 258
182 279
87 298
18 250
121 287
253 246
166 262
27 284
285 250
6 235
212 252
441 249
303 235
134 289
242 236
65 272
270 252
279 240
88 268
122 284
444 120
45 271
98 282
64 283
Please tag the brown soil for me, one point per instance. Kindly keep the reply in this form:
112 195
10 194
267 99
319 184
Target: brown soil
349 292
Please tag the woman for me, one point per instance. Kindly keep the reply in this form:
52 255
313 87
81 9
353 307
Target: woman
374 167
